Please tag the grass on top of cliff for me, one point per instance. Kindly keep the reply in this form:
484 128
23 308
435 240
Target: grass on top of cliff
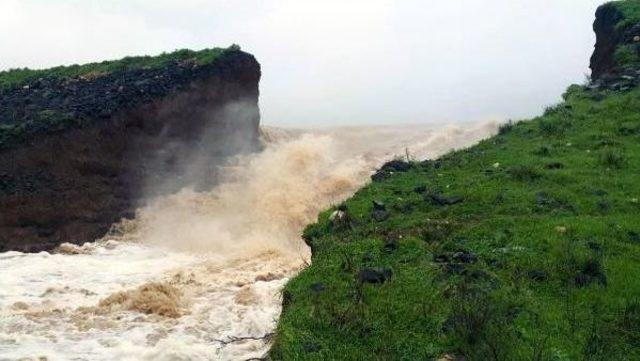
630 10
16 77
525 246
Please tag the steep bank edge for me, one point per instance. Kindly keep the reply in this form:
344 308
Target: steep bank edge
73 183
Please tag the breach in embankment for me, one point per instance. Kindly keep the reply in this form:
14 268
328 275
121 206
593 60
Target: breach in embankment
81 145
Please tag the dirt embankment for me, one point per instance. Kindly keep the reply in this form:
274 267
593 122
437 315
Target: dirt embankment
131 134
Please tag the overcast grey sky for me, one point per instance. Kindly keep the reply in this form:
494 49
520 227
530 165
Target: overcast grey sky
331 62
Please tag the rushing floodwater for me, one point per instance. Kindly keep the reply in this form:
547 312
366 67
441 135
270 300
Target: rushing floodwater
196 276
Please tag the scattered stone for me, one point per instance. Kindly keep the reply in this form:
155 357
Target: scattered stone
598 192
594 246
464 257
604 205
454 268
420 189
396 165
537 275
311 347
317 287
379 205
390 245
379 215
374 275
591 271
441 200
554 165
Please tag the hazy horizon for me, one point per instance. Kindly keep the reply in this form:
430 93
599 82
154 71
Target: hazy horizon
333 63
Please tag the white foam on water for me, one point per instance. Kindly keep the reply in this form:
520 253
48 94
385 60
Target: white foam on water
197 275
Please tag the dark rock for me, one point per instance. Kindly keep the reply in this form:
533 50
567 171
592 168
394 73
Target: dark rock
420 189
633 236
606 71
594 246
537 275
464 257
554 165
380 176
396 166
604 205
377 205
591 271
317 287
379 215
374 275
311 347
441 200
581 280
541 198
454 268
390 245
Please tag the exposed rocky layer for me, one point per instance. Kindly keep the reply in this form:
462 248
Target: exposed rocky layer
615 63
121 136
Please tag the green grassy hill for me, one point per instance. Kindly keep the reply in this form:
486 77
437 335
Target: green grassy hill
18 77
523 247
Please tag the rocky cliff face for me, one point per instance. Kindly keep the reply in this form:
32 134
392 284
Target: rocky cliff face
77 154
615 62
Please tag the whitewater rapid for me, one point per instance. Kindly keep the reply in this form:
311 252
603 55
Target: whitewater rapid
197 275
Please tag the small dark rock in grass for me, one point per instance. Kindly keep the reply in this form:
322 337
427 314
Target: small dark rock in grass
379 176
317 287
598 192
420 189
441 200
633 236
390 245
454 268
537 275
582 280
524 173
464 257
374 275
379 205
554 165
594 246
311 347
591 271
604 205
379 215
396 165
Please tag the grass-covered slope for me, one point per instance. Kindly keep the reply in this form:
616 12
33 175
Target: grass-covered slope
540 260
18 77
